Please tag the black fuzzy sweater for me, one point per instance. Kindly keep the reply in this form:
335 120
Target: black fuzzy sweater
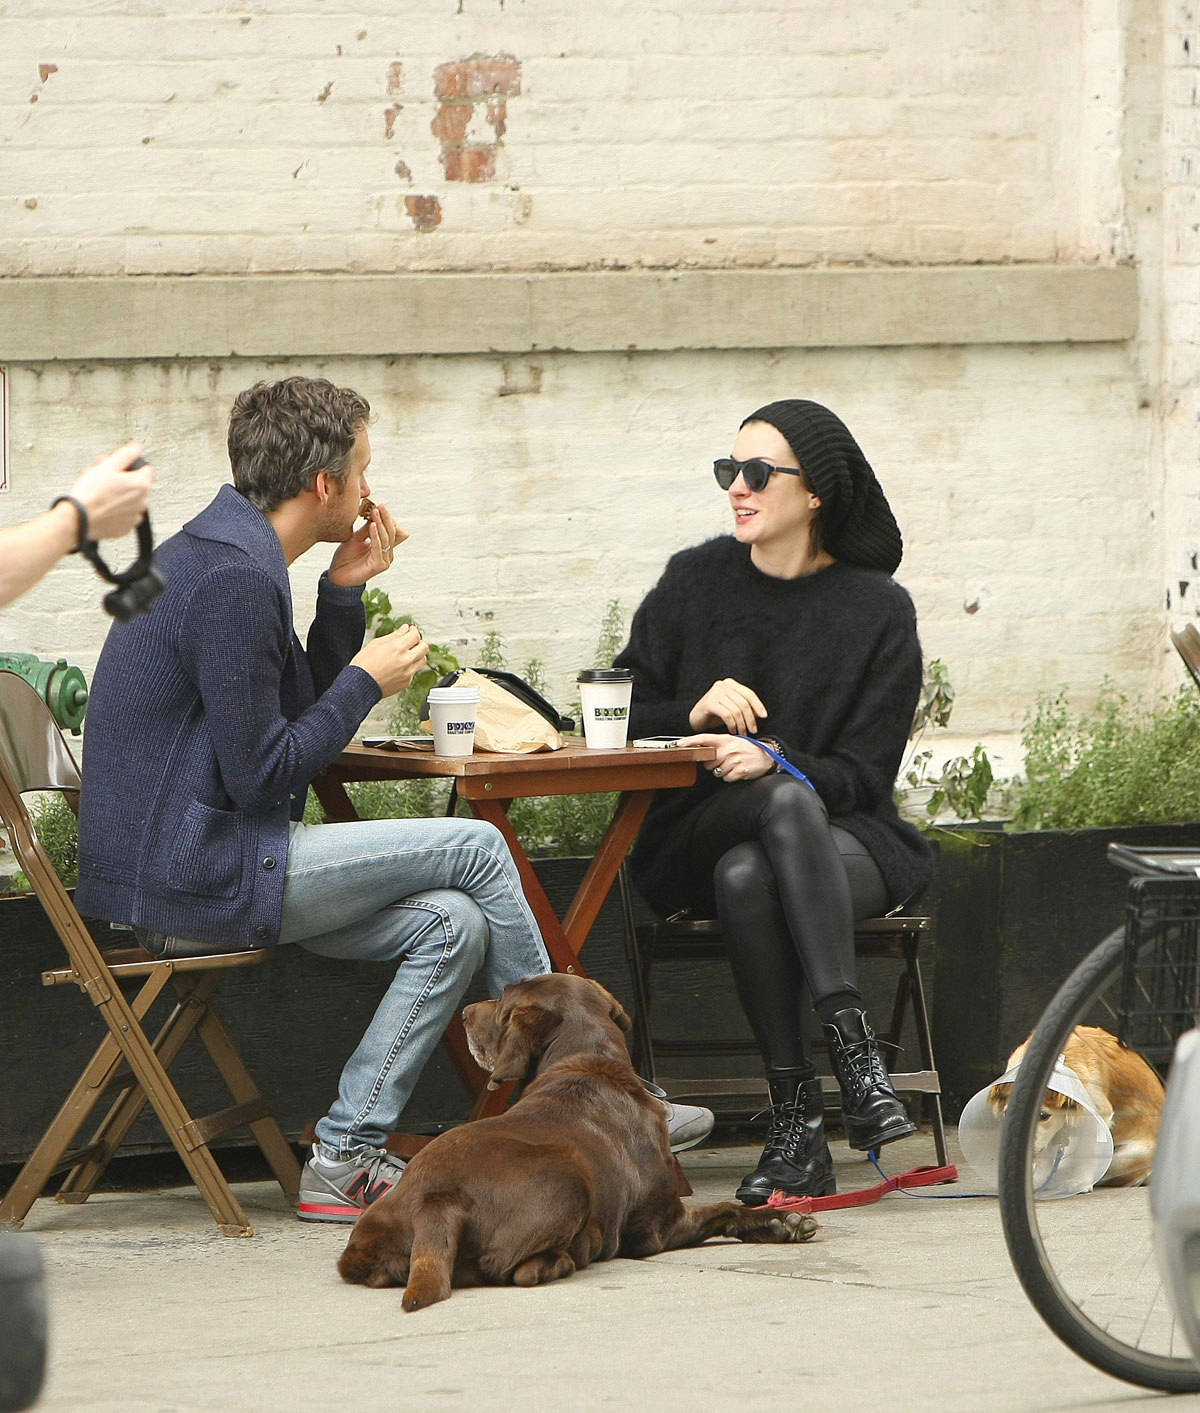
834 656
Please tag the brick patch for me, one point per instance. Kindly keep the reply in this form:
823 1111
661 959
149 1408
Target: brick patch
425 211
467 89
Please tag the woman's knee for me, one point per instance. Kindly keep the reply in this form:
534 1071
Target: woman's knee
740 872
789 802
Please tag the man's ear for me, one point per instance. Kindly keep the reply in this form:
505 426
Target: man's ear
524 1034
324 487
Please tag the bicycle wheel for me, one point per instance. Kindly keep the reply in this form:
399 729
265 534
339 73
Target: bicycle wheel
1087 1262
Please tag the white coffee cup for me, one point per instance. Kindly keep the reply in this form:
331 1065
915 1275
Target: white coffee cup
452 711
604 695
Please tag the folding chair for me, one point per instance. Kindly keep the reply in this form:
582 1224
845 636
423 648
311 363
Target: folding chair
896 937
1187 645
129 1066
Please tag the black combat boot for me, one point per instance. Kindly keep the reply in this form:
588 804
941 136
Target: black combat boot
871 1113
796 1159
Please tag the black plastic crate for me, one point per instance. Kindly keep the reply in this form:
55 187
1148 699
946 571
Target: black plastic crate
1160 979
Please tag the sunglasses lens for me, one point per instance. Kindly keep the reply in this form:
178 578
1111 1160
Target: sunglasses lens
726 472
756 473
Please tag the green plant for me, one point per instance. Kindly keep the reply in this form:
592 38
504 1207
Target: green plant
963 784
1125 762
405 715
57 829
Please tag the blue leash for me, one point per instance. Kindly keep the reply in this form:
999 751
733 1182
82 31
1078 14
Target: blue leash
779 760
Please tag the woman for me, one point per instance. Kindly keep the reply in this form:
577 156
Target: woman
789 635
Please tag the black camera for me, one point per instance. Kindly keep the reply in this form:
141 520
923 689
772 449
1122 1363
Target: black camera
136 587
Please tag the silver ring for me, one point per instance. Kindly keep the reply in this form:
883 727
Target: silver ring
717 771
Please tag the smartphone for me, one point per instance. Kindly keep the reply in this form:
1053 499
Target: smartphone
654 742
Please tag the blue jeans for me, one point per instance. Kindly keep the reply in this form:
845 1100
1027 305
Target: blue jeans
440 896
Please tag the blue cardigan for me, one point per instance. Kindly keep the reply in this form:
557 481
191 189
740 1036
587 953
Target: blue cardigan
206 722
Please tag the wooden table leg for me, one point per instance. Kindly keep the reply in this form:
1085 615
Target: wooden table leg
602 871
563 955
337 804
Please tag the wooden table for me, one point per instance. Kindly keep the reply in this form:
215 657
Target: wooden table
489 783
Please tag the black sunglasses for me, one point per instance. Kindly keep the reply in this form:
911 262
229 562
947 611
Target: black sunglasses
756 472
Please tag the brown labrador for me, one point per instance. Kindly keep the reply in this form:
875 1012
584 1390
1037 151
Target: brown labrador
578 1170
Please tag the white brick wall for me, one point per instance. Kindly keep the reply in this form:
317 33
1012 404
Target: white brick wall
197 138
1048 494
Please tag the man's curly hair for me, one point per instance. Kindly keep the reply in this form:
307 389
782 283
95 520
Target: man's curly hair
281 434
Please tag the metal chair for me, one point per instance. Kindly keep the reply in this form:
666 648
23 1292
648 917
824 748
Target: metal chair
129 1065
895 937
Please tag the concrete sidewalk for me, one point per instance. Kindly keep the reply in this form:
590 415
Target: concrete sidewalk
908 1305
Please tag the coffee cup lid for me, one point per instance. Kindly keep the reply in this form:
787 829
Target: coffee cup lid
454 696
605 674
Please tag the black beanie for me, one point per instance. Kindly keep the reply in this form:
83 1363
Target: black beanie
857 523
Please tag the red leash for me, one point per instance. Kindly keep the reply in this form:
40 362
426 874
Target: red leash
915 1177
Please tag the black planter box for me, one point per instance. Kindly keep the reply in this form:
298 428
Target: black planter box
1014 914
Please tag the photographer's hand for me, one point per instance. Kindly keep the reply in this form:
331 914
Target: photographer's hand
114 501
115 498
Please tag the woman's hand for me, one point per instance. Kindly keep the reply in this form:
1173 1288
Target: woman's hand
728 703
735 760
369 549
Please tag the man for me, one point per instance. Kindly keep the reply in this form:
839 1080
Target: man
106 502
206 722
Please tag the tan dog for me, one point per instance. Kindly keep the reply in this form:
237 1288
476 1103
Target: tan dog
1126 1092
579 1170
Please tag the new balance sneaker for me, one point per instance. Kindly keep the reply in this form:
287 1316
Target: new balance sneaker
687 1124
341 1192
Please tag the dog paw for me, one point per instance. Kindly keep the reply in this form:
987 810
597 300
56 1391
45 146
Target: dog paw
796 1226
786 1226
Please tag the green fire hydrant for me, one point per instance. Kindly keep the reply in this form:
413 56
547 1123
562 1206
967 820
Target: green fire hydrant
63 688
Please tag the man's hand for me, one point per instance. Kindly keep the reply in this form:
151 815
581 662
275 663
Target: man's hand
393 660
728 703
736 759
368 551
115 499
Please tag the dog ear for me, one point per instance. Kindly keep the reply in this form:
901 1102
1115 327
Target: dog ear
619 1014
524 1034
616 1012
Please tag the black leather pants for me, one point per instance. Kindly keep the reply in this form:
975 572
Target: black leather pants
789 887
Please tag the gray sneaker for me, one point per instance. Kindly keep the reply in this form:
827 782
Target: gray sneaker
687 1124
341 1192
